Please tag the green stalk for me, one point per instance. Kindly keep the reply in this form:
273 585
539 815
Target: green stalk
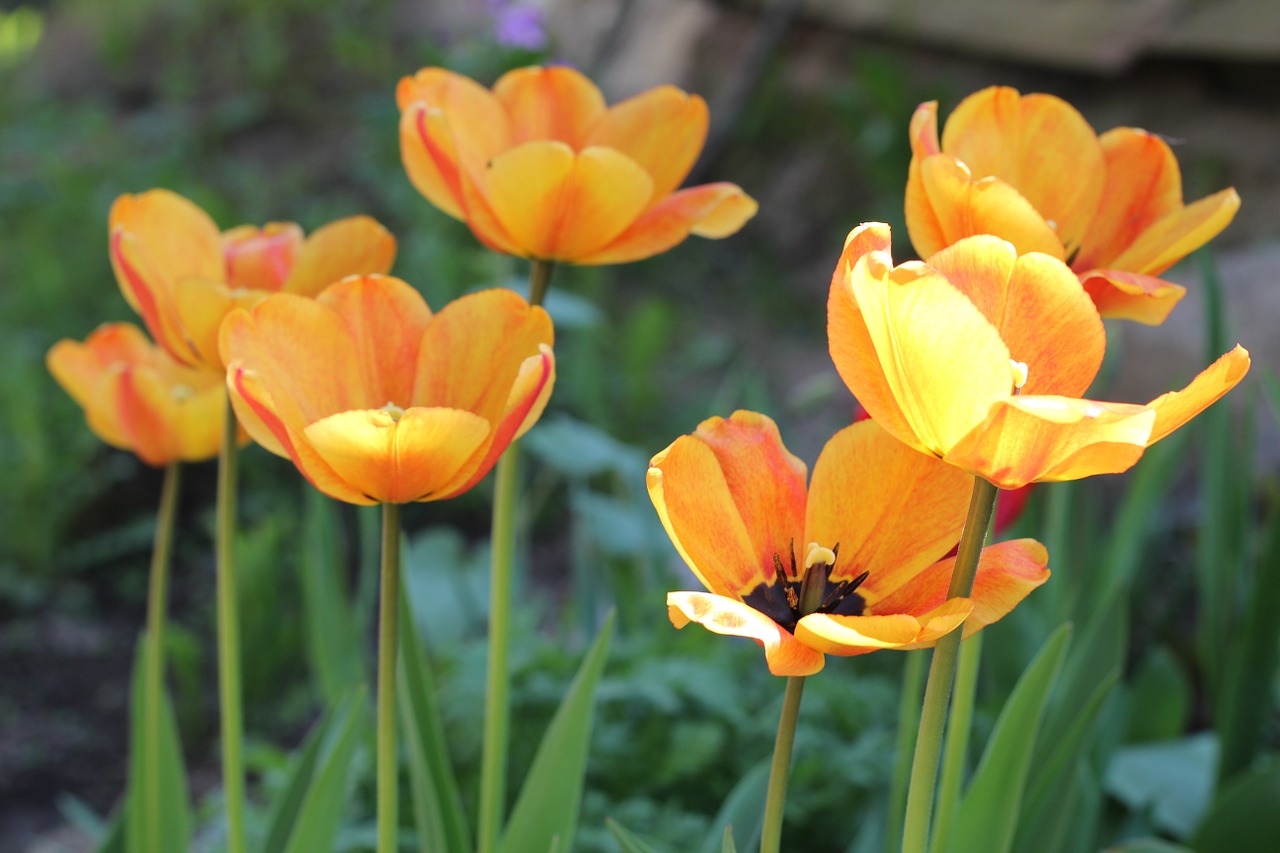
942 673
157 604
388 607
780 771
908 720
497 706
229 700
957 741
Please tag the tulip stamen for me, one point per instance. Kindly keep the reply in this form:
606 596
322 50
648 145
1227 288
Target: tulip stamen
1019 375
396 412
792 596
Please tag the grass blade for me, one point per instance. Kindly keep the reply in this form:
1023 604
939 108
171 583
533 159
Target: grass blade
169 830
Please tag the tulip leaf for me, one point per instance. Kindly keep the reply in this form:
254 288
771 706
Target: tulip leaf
727 845
167 825
1149 845
113 839
321 744
743 808
320 812
988 813
547 808
627 840
1245 817
332 642
438 817
1172 780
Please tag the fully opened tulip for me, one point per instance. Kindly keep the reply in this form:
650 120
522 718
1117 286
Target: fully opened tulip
136 397
1031 170
851 564
540 167
980 355
183 276
375 398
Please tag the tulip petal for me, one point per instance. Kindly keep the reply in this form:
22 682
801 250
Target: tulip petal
710 210
1178 234
1130 296
601 198
555 102
177 240
1038 144
662 129
357 245
1177 407
784 653
1043 315
731 498
397 460
1046 439
858 635
524 186
891 510
167 424
147 293
200 304
426 149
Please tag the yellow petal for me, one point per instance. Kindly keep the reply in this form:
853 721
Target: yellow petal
785 654
662 129
357 245
856 635
556 102
964 205
165 426
599 200
175 240
524 187
1177 407
150 295
1178 234
1130 296
710 210
200 304
426 149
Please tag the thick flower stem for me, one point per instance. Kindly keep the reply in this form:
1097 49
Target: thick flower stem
229 637
942 673
780 771
388 607
956 747
497 709
157 604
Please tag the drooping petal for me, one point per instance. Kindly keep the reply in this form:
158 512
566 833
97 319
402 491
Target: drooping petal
599 200
1038 144
1177 407
662 129
891 509
1044 439
397 461
1043 315
554 102
1176 235
710 210
357 245
857 635
785 654
1130 296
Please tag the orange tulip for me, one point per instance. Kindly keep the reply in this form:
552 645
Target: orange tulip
872 529
540 167
1032 171
376 399
135 397
182 276
979 356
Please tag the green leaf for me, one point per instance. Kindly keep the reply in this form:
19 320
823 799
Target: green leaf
113 840
438 817
153 732
1160 700
319 741
988 813
727 845
1173 781
547 808
332 641
1149 845
316 826
743 808
627 840
1245 818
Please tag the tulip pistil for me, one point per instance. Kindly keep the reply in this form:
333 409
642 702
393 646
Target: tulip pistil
393 410
794 595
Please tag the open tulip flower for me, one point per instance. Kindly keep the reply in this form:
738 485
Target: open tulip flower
851 565
136 397
1030 169
980 355
375 398
540 167
182 275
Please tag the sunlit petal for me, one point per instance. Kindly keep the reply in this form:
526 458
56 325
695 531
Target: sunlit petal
662 129
785 655
1129 296
1177 407
1178 234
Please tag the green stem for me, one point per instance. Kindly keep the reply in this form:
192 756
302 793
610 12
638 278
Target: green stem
388 607
908 720
229 637
942 673
780 771
157 604
956 747
497 706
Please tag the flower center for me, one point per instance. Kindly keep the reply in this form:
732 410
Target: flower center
393 410
795 594
1019 369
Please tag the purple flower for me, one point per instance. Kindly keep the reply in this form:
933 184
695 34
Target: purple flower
518 26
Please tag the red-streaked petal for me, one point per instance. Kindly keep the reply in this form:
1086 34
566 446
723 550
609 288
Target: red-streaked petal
1177 407
662 129
1130 296
426 149
177 240
357 245
166 424
556 102
149 295
784 653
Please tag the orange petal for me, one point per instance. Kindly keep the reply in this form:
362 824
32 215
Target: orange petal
1033 439
79 367
784 653
149 295
524 187
1177 407
397 461
731 497
857 635
557 102
891 509
1178 234
599 200
175 238
167 424
426 149
662 129
1130 296
1007 572
710 210
200 304
385 319
1037 304
1038 144
260 258
357 245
